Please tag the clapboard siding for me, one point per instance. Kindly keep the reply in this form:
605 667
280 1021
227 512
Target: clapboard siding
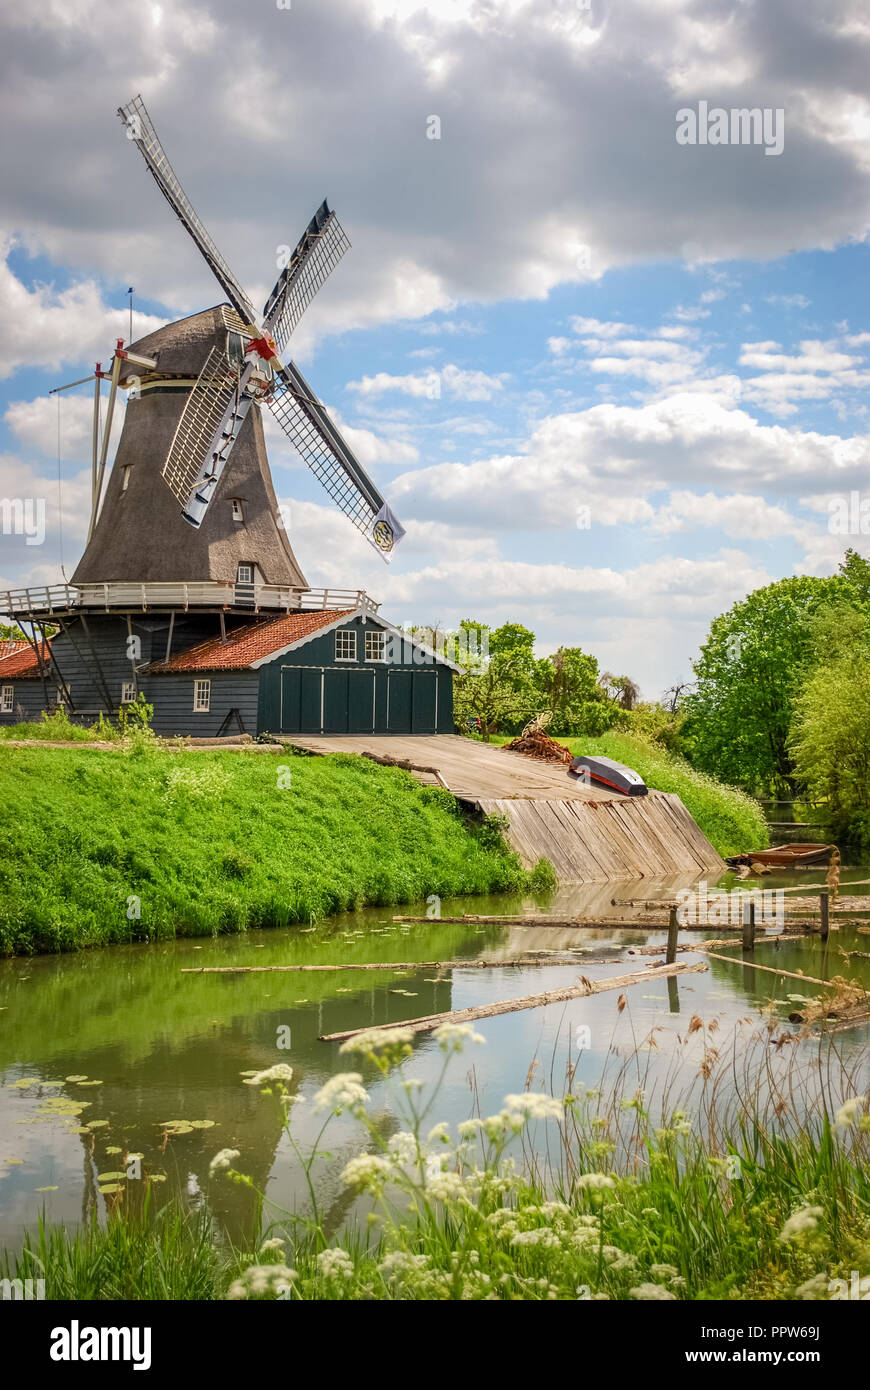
172 698
28 701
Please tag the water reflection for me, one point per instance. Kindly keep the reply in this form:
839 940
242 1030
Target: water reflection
167 1046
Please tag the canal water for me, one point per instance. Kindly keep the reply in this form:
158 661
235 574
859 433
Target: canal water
132 1043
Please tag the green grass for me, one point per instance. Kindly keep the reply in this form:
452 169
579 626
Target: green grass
731 820
58 727
99 847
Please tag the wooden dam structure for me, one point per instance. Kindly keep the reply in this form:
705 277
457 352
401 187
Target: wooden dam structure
589 835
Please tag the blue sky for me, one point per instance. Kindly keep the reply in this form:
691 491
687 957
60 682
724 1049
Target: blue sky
697 377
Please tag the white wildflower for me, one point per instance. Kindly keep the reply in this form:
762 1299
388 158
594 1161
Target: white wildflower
451 1036
469 1128
223 1159
375 1038
280 1072
595 1181
260 1281
438 1131
367 1171
652 1292
403 1148
664 1272
400 1265
341 1092
446 1187
800 1223
540 1236
335 1264
532 1106
849 1113
276 1243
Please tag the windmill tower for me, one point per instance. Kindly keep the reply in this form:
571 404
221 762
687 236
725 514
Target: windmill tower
186 540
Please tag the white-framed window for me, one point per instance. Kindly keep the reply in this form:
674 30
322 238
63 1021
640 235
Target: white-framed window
376 644
125 477
201 697
7 698
345 645
59 697
245 574
128 692
238 509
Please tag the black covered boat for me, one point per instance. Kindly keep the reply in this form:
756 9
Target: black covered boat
605 772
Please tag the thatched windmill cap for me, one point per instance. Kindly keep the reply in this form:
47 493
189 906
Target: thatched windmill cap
181 348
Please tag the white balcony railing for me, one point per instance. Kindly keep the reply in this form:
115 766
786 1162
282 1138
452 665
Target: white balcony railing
65 598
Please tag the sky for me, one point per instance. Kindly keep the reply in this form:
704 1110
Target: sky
609 381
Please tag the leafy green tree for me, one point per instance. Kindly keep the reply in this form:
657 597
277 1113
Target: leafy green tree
748 676
830 735
495 684
567 682
10 634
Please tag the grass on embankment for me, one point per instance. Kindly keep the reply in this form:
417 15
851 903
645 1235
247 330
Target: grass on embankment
100 847
731 820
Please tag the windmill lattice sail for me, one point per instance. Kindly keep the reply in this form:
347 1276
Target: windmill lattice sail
317 253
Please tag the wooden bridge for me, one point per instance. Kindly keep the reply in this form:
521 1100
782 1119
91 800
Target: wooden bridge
589 835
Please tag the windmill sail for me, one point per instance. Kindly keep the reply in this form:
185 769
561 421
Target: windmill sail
316 439
141 130
317 253
209 426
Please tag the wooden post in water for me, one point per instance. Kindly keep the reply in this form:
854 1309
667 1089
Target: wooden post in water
673 927
749 926
824 903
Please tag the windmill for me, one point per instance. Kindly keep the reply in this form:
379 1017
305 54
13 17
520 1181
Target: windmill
230 383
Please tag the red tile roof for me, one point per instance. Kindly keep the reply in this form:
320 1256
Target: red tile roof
251 642
18 659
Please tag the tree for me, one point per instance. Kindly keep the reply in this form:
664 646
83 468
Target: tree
748 676
622 690
567 682
830 735
495 682
10 634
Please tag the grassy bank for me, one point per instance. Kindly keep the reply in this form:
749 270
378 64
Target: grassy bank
639 1207
731 820
99 847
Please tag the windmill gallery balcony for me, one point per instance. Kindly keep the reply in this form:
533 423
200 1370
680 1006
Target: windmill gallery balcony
163 596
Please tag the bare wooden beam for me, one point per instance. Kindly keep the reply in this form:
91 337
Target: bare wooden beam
403 965
528 1001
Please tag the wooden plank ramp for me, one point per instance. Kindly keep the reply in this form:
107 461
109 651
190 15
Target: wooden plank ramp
590 835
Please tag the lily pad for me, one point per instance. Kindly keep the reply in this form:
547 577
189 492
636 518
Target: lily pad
90 1083
203 1124
111 1177
113 1149
97 1124
78 1078
112 1187
156 1177
45 1189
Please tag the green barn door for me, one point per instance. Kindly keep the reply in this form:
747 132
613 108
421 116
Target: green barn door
290 700
310 698
399 702
360 702
335 702
423 702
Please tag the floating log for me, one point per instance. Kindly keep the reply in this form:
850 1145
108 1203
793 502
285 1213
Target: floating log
773 970
600 923
556 959
528 1001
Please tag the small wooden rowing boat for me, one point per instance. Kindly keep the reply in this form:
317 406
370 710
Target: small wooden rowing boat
785 856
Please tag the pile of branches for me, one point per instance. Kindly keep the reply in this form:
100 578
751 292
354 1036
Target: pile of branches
536 744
